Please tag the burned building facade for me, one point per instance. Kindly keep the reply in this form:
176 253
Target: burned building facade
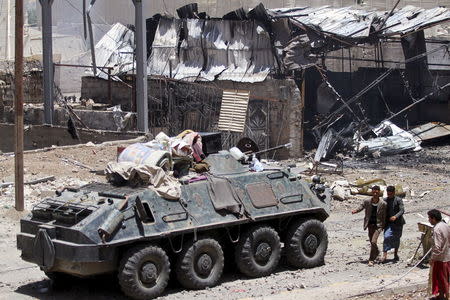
301 66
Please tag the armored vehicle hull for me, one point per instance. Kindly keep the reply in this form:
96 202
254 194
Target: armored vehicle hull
99 228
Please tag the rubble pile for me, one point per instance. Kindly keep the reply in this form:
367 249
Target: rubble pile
37 192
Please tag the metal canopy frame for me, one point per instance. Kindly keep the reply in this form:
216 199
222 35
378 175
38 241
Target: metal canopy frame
47 59
141 61
141 67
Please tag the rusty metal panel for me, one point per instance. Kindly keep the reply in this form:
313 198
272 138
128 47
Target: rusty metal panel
233 111
261 194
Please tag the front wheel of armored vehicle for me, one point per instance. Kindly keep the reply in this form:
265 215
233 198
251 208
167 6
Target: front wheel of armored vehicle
200 264
306 244
144 272
258 251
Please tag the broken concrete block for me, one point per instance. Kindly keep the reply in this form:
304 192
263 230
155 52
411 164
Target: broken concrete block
340 193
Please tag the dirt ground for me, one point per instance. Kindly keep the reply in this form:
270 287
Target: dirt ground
344 275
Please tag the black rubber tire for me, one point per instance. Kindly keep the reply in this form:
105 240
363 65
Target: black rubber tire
130 271
306 244
258 251
188 271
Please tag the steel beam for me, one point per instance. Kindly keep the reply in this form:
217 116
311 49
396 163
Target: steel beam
18 107
141 67
47 53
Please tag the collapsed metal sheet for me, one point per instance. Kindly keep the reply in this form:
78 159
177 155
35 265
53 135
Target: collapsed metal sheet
391 140
348 22
216 35
344 21
325 145
115 49
389 145
430 131
242 50
411 18
190 55
212 49
164 58
250 56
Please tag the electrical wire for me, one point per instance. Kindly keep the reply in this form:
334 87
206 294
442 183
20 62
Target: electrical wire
383 287
96 25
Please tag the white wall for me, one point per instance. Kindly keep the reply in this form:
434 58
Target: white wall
7 17
112 11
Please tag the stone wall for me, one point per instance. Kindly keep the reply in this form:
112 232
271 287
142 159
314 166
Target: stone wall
32 85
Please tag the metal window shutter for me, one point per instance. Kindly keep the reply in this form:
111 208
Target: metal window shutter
233 112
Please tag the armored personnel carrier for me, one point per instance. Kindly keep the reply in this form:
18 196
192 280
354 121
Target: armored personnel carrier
231 213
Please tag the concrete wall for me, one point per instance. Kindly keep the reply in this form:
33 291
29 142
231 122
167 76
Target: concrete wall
99 120
36 137
97 89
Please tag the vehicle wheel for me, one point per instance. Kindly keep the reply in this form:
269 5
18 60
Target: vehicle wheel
144 272
306 244
258 251
200 264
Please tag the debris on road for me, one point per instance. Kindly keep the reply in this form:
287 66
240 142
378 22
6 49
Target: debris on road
31 182
390 140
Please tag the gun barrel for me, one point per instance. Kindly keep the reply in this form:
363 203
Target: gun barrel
288 145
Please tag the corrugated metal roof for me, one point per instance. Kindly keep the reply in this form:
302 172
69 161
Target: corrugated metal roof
233 112
349 22
191 54
242 50
213 49
164 58
411 18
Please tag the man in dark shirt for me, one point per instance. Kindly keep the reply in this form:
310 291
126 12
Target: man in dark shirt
394 223
374 220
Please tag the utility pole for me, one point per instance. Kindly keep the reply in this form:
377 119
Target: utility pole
47 59
18 106
141 67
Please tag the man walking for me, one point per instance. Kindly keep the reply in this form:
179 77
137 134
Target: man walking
440 255
394 223
374 220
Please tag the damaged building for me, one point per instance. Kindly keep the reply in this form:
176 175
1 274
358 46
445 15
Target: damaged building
303 70
274 75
